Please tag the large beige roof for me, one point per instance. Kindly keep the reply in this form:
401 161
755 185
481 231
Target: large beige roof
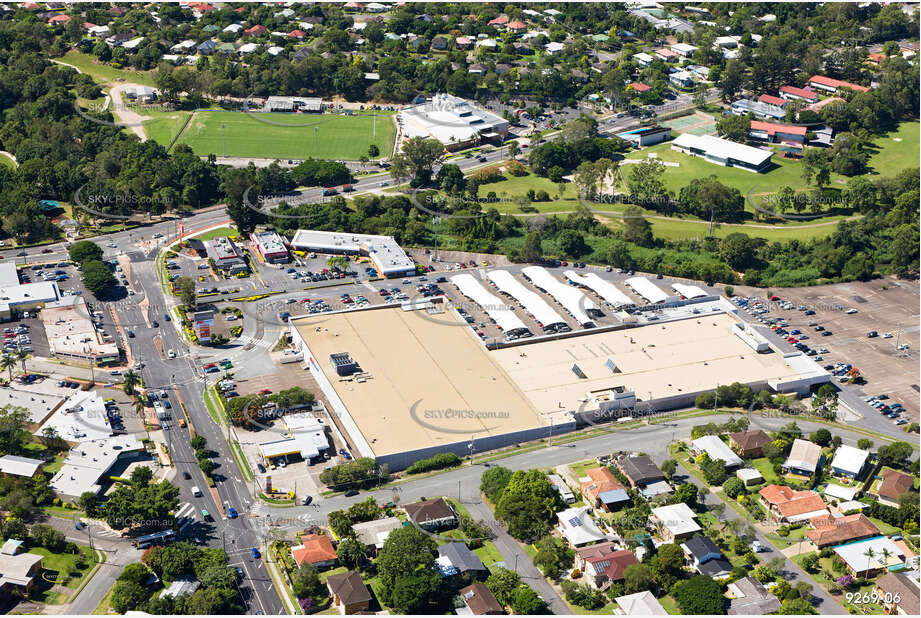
431 382
664 359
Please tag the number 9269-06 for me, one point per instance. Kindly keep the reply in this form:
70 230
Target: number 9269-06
858 598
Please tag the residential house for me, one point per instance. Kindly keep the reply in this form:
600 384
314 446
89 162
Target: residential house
601 489
639 87
297 34
684 50
431 514
681 79
674 522
18 572
640 604
834 85
667 55
256 30
456 558
804 458
640 470
504 67
578 528
871 556
749 476
751 598
579 75
792 505
829 530
349 592
899 593
792 93
476 68
440 43
604 568
59 20
749 444
705 557
463 42
876 59
818 105
554 48
893 486
498 21
372 534
515 27
774 132
849 462
560 485
480 601
14 465
206 48
715 449
315 549
643 59
235 28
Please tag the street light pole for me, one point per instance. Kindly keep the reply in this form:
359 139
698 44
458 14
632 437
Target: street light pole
224 136
316 132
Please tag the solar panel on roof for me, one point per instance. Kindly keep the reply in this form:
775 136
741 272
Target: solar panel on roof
575 522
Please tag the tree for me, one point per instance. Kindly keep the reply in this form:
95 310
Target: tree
734 487
513 149
185 286
895 454
822 437
738 250
373 151
494 481
85 250
306 582
571 243
637 229
416 159
528 504
218 576
699 595
814 167
553 556
864 444
646 185
89 502
731 81
451 178
687 493
669 466
734 128
638 577
555 174
97 278
526 602
351 553
127 595
14 433
531 250
859 267
796 607
8 362
503 583
586 178
406 568
130 381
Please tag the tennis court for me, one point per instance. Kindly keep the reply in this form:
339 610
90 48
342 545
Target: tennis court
696 124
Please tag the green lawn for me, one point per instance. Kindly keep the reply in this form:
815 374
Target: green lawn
675 229
488 554
764 466
897 150
283 135
669 604
221 231
884 528
164 126
104 73
579 469
54 567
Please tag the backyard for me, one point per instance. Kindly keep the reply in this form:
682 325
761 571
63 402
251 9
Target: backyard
60 574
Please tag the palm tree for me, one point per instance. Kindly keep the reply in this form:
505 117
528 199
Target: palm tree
22 356
140 402
887 553
8 362
131 380
870 554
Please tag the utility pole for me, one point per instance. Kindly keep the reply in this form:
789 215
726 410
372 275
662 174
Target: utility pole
224 136
316 132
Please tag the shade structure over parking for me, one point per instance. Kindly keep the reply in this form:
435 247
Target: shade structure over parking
574 301
531 301
504 317
688 291
605 289
647 289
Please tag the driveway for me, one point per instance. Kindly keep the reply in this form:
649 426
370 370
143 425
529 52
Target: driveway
129 118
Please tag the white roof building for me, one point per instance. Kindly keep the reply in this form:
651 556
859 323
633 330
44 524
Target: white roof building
20 466
679 519
306 436
684 49
451 120
39 405
532 302
248 48
602 287
389 258
856 555
722 151
376 532
643 58
233 28
82 418
574 301
640 604
90 461
716 449
688 291
849 460
554 47
647 289
578 528
840 491
71 333
505 318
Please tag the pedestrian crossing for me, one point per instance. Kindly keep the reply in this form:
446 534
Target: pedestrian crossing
185 516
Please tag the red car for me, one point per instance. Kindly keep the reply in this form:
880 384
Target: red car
209 366
564 263
265 391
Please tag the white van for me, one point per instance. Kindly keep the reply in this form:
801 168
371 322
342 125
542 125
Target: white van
196 492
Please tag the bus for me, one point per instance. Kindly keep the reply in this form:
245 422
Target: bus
157 538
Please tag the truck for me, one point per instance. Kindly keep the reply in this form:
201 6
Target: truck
291 358
347 188
329 191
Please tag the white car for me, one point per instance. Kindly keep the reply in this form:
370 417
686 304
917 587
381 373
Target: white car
171 354
230 318
887 335
851 311
902 346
